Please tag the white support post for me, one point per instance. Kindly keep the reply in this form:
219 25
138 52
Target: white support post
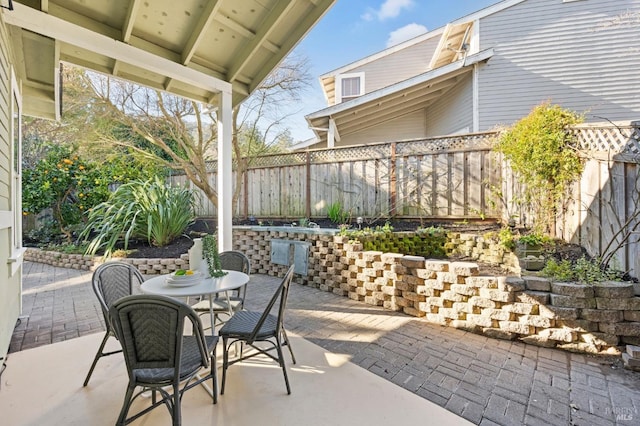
225 176
331 134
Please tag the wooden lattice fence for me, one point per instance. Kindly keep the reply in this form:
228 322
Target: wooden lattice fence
446 177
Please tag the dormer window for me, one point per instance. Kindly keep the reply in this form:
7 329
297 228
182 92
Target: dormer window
349 86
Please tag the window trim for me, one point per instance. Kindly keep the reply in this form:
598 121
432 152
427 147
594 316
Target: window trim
340 77
15 135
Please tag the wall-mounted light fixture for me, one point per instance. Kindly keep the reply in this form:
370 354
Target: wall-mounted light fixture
6 4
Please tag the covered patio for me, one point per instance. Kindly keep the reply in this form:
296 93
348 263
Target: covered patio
357 364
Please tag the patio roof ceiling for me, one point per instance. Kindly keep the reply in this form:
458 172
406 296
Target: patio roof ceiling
394 101
191 48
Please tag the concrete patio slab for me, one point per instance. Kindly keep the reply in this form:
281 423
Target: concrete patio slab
43 386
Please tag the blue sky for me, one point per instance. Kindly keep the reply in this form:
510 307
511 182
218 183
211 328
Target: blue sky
354 29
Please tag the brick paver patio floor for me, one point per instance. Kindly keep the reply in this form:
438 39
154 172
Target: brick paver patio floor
486 381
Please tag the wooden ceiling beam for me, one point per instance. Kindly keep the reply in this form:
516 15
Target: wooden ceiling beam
130 19
208 15
277 14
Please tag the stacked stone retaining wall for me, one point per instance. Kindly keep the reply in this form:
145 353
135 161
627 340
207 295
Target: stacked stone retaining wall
570 316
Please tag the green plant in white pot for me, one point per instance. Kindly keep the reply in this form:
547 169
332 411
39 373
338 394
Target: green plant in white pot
211 256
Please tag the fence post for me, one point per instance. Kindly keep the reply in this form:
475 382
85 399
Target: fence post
393 181
308 187
245 182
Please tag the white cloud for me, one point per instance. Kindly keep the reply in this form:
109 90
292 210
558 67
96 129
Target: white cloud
368 16
405 33
392 8
389 9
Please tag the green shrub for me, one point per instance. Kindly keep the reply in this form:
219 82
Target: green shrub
506 238
558 271
583 270
539 149
148 210
533 239
70 185
427 242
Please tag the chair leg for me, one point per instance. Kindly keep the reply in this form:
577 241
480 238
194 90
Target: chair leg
97 357
214 376
281 361
286 342
176 414
225 363
127 403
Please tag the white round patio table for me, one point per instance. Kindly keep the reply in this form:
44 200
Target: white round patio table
204 287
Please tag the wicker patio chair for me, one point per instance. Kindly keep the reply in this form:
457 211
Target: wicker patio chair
254 327
234 261
158 354
111 281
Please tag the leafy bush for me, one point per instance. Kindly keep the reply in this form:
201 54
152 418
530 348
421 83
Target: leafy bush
558 271
427 242
506 238
509 240
148 210
533 239
582 270
539 149
69 185
62 182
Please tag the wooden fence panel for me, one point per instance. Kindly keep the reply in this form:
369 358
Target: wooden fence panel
427 193
408 186
614 209
375 180
442 184
430 181
490 194
632 206
457 193
590 217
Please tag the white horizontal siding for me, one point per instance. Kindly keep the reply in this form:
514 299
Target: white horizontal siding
398 66
10 287
583 55
5 126
453 111
409 126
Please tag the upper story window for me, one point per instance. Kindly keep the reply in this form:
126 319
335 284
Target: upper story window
349 86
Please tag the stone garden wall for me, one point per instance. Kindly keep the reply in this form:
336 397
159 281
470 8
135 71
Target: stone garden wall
534 310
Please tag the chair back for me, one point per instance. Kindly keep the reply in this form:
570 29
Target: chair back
235 261
112 281
281 293
150 329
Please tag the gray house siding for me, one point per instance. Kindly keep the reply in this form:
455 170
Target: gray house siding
581 55
409 126
453 112
398 66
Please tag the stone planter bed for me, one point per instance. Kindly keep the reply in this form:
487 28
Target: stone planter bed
585 318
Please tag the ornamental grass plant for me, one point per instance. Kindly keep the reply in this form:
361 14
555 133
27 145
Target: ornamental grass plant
148 210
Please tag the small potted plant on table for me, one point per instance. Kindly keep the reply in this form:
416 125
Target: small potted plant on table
211 257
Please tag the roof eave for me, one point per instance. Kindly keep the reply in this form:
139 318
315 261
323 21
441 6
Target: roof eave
403 85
